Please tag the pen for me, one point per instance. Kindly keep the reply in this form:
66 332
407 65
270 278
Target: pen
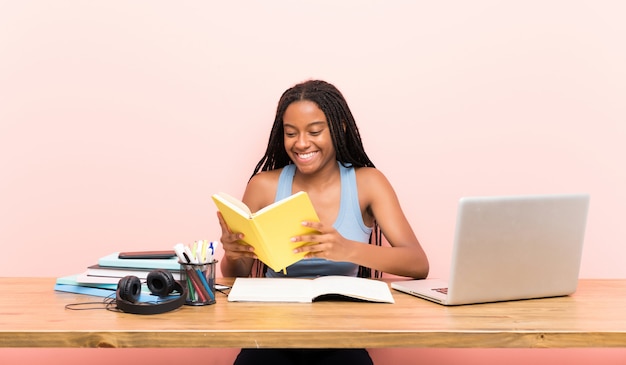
190 257
204 250
205 284
212 247
192 292
179 249
191 276
199 252
199 279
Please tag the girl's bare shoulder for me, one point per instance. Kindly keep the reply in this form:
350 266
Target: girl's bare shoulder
372 184
370 175
265 178
261 189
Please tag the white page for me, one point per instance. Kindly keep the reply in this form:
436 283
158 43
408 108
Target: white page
361 288
271 290
305 290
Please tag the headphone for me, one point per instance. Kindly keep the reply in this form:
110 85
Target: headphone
160 282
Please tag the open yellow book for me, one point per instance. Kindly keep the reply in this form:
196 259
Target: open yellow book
270 229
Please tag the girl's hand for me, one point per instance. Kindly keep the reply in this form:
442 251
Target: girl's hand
327 244
233 248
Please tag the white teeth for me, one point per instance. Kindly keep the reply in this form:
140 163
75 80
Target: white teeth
305 156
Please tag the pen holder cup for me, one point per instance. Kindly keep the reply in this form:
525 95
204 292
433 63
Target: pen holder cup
200 282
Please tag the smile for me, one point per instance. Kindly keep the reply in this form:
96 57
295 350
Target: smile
306 156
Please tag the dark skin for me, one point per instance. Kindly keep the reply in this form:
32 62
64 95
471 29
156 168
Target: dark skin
308 143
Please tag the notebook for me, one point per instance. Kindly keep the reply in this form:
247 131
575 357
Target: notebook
510 248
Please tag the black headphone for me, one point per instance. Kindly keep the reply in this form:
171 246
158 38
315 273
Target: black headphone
160 282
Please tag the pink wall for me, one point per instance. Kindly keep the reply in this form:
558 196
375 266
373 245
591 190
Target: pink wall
119 119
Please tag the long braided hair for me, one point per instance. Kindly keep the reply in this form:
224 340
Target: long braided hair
343 130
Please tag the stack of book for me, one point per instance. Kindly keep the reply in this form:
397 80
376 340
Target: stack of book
101 279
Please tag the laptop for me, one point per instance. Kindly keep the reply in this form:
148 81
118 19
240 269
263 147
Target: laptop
510 248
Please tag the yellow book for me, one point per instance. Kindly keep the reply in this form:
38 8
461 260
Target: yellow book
270 229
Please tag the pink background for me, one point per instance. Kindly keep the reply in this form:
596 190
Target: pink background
119 119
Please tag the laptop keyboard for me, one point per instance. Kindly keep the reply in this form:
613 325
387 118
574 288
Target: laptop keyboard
441 290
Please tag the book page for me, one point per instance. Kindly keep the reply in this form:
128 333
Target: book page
241 223
360 288
280 202
307 290
233 203
271 290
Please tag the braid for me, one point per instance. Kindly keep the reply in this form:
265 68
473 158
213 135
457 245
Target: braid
343 130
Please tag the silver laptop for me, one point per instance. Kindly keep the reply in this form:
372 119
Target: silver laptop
510 248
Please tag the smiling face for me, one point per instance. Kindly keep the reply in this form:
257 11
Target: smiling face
307 137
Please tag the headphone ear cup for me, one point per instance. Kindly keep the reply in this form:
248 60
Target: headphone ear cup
129 288
161 282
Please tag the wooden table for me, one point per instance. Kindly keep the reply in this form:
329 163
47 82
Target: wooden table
32 314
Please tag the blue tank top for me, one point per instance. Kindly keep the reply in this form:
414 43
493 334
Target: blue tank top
349 223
